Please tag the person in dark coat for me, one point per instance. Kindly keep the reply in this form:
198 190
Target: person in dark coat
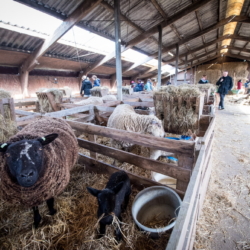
225 84
86 86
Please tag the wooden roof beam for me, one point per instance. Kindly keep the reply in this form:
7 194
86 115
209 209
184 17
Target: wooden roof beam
238 56
81 11
145 35
188 39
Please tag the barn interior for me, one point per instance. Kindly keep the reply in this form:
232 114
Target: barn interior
53 44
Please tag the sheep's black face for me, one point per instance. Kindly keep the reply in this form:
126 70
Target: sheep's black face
25 159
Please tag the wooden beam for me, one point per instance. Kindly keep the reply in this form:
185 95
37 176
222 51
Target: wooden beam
118 49
99 167
176 64
238 56
24 80
81 11
159 57
238 48
150 32
142 162
178 147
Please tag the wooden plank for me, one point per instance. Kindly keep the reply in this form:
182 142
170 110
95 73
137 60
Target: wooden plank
1 108
20 104
81 11
178 147
25 113
208 133
52 101
99 167
179 232
68 112
142 162
12 109
145 99
92 138
140 104
87 118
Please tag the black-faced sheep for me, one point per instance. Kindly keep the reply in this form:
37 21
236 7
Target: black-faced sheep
36 164
113 199
124 117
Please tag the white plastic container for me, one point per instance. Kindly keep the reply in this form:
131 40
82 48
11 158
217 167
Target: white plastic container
164 179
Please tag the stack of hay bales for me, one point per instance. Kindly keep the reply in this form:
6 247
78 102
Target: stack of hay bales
179 107
8 127
127 90
44 103
99 91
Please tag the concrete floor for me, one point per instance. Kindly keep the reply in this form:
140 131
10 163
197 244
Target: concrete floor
225 220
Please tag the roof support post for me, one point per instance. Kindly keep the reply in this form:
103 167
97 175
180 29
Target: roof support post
159 56
118 49
176 63
24 77
185 75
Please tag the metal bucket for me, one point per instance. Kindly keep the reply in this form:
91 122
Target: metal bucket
155 201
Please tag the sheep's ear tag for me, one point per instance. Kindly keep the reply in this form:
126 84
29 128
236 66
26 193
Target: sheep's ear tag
43 138
4 145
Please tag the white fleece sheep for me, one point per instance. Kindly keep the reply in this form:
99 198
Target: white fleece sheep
97 100
109 98
124 117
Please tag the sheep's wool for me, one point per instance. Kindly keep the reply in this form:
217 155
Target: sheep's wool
59 158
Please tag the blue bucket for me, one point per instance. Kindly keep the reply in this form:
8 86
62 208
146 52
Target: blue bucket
173 138
171 158
185 137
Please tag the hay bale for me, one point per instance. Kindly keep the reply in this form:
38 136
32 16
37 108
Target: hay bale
178 117
59 158
7 127
44 103
99 91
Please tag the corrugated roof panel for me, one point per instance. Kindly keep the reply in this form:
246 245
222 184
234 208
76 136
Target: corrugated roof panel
197 42
239 43
212 35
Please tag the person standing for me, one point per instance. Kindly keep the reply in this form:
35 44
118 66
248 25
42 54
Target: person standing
239 84
203 80
97 81
225 84
247 86
149 85
86 86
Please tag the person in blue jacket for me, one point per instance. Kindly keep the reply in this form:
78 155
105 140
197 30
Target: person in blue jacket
86 86
149 85
97 81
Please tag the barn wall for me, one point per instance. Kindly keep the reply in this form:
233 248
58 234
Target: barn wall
237 70
12 84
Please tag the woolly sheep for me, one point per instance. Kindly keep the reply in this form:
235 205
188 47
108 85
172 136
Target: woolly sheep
91 100
31 172
109 98
124 117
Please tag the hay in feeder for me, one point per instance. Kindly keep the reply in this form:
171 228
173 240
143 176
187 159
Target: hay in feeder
44 103
74 226
7 126
177 118
99 91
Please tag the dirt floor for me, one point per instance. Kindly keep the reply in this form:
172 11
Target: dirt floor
225 220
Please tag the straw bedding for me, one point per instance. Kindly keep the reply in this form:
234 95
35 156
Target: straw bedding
59 158
7 126
74 225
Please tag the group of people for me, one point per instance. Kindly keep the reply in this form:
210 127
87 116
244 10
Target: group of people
87 85
225 84
246 85
140 86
